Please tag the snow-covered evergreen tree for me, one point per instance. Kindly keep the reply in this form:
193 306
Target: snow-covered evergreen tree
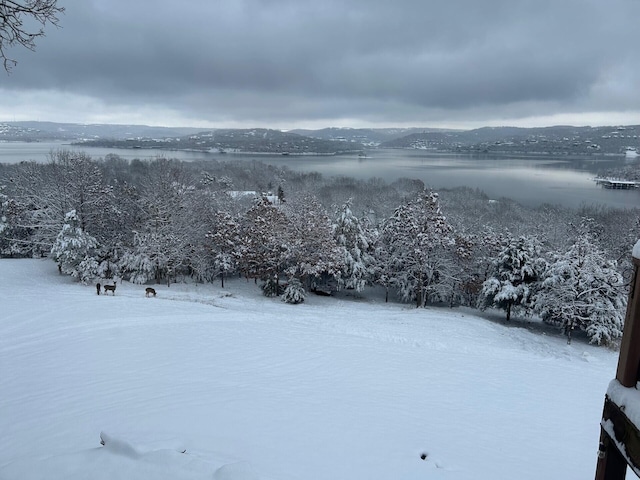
356 247
420 244
313 246
294 292
222 243
265 241
271 288
14 234
74 250
383 270
514 277
582 289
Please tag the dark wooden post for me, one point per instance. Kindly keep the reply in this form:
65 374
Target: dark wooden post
612 465
629 359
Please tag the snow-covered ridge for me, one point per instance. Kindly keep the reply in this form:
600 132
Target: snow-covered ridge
202 382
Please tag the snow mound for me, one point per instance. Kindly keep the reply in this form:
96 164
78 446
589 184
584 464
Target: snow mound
120 458
636 250
118 446
236 471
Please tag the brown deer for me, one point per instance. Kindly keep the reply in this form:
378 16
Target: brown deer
149 291
110 288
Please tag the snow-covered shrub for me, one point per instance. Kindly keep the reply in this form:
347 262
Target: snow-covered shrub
87 269
108 269
271 288
138 267
294 293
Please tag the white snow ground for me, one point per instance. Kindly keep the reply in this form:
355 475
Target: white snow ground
253 388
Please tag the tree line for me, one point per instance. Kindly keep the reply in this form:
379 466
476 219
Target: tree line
164 220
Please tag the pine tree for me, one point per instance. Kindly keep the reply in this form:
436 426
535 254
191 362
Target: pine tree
582 289
265 241
420 243
74 250
222 243
514 277
14 234
294 293
314 252
383 270
356 249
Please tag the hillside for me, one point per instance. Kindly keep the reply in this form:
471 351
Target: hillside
558 140
255 140
50 131
369 137
202 382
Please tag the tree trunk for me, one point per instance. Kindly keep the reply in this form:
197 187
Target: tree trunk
509 311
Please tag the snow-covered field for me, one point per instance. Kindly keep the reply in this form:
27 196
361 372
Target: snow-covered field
251 388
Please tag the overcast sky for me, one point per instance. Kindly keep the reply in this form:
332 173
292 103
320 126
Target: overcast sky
359 63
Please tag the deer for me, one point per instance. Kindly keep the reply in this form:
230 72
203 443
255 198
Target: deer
149 291
110 288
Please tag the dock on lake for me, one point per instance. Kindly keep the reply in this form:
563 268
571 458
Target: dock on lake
617 184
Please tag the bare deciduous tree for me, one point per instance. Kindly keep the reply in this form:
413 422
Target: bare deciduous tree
18 24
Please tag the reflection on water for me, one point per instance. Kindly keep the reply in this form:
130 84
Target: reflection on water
529 180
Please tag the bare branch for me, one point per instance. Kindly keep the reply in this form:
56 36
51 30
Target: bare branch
13 30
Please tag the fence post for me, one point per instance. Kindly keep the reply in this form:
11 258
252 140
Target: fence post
612 465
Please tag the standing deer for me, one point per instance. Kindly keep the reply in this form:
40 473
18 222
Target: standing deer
110 288
149 291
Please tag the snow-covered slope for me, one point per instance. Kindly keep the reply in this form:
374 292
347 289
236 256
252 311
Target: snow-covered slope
248 387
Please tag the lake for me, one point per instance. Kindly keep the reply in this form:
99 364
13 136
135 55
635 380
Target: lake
530 180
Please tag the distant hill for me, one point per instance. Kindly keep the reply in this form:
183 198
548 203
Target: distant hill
370 137
546 140
47 131
254 140
556 140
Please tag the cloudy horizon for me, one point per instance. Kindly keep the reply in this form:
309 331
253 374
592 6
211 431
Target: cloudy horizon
302 64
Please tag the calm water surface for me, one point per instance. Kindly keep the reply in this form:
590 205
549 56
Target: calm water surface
528 180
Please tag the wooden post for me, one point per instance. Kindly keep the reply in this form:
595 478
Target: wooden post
612 465
629 359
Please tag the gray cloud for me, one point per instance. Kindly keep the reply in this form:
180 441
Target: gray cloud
294 61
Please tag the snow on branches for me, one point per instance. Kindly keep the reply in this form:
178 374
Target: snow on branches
583 290
356 247
514 276
74 250
420 245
